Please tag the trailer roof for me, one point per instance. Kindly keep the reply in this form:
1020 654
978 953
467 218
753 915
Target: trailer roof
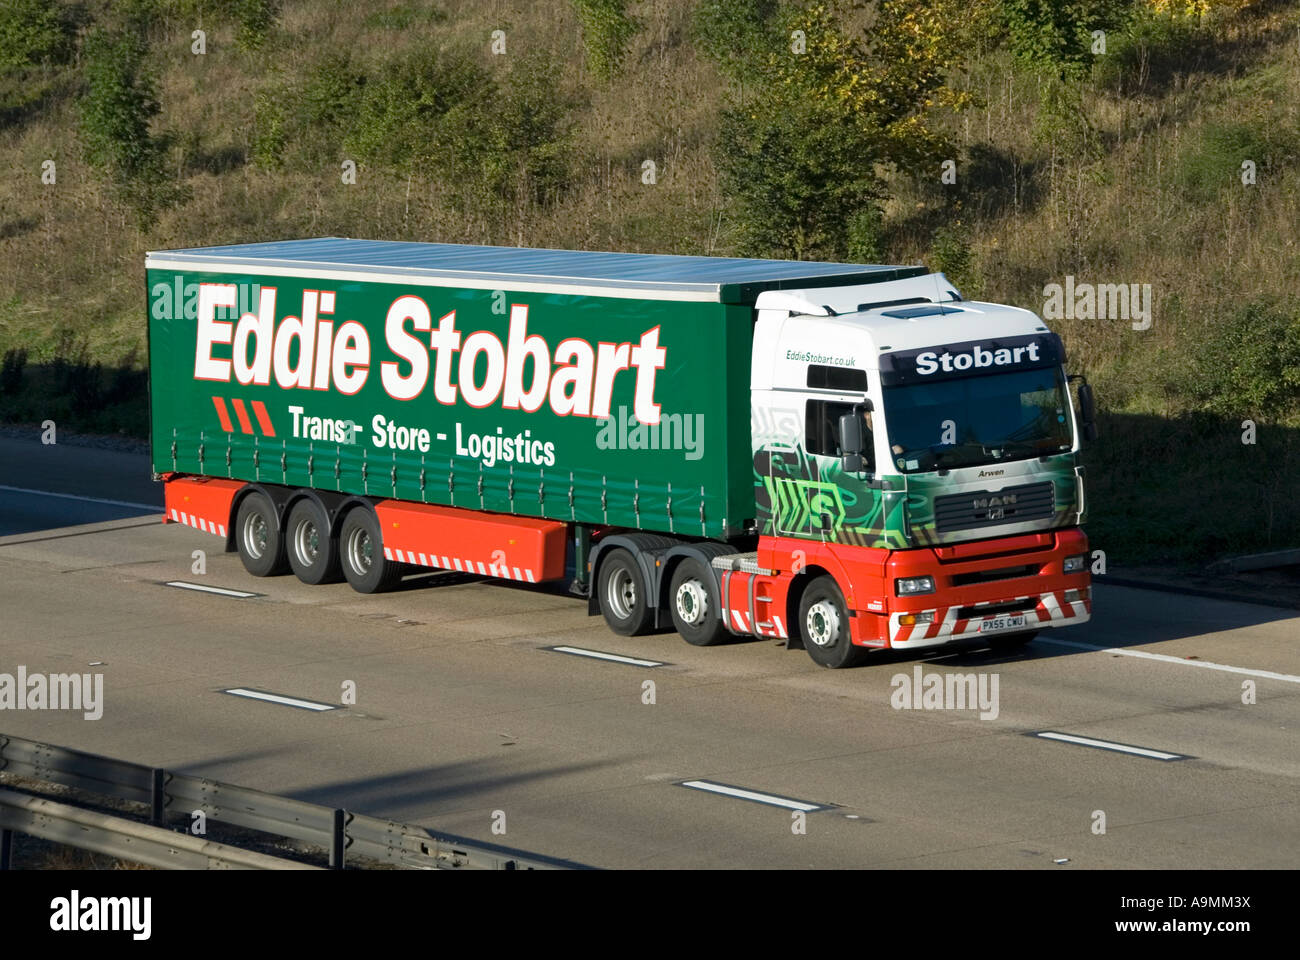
718 279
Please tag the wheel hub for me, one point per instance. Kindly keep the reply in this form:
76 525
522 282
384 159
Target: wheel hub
621 594
360 551
692 602
307 542
255 535
823 623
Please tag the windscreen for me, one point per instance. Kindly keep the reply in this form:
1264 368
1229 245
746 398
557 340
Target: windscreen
974 420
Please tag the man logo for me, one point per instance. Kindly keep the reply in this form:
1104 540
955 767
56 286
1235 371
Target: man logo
983 503
997 513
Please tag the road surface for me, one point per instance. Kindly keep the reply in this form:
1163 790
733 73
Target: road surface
465 716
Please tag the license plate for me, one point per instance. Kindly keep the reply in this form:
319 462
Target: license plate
1003 623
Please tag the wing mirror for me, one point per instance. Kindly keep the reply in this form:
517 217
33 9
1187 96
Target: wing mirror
1087 408
852 441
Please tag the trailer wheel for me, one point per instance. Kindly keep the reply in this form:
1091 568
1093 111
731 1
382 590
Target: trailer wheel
361 553
694 606
824 625
313 553
623 594
258 537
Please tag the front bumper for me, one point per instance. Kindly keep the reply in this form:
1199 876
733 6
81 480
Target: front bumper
1052 608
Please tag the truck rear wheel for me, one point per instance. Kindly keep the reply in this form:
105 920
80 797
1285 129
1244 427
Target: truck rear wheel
824 625
258 537
361 553
623 594
313 553
694 606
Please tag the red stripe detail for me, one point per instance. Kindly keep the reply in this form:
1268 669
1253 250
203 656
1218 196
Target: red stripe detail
263 421
222 415
960 626
244 423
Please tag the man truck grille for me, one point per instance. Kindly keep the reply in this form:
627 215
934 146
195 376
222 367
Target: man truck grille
987 508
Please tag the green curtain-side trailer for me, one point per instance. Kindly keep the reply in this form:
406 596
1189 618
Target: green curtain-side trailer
528 406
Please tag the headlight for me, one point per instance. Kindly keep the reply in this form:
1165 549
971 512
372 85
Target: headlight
911 586
1076 563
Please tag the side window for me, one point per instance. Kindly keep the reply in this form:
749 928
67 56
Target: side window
847 379
822 430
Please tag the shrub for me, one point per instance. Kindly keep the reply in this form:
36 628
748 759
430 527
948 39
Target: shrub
607 28
1249 365
865 235
738 35
116 111
951 254
1214 159
32 32
255 18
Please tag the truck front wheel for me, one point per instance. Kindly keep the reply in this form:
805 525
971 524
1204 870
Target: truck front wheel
258 537
361 551
824 624
623 594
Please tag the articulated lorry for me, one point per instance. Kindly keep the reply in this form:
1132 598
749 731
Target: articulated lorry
842 456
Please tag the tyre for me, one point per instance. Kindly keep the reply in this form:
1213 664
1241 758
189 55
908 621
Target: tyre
258 537
693 603
313 553
361 554
824 625
623 594
1013 641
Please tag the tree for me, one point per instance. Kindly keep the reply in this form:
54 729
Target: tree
1056 35
802 162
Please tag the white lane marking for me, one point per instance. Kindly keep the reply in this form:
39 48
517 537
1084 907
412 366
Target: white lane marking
1165 658
1109 745
768 798
284 701
242 594
598 655
154 508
